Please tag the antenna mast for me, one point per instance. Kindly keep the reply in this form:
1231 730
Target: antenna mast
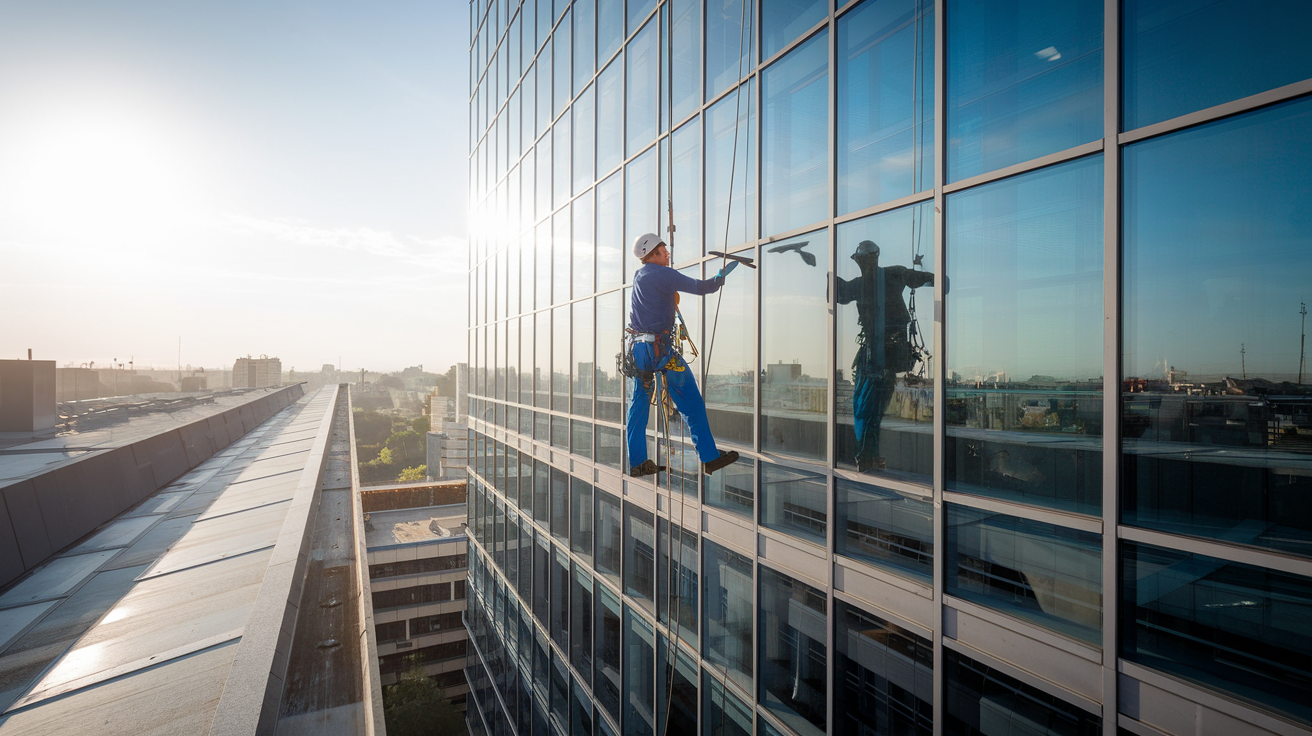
1302 340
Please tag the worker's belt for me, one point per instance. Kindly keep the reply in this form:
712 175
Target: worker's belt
643 337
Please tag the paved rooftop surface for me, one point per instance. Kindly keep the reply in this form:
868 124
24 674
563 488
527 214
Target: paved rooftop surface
135 629
407 526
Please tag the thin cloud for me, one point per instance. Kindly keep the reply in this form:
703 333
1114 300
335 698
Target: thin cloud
445 254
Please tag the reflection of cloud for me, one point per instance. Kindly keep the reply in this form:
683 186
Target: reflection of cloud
445 253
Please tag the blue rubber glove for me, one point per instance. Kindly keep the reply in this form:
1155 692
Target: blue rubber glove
727 269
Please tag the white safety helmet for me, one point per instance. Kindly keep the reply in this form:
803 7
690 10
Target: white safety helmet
645 244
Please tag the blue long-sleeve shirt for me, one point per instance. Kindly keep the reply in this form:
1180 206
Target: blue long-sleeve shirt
652 307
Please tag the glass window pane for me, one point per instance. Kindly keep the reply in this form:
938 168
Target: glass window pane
795 143
585 260
641 203
562 180
1217 262
580 723
639 554
795 346
885 89
1046 574
723 713
562 50
560 433
734 488
581 367
687 193
610 28
886 528
676 689
560 505
638 12
729 36
541 580
794 501
885 373
610 233
639 676
981 700
561 247
1182 56
560 583
610 116
584 42
676 578
1024 79
686 57
784 20
731 178
730 362
883 674
528 129
727 611
542 493
606 681
581 615
610 321
544 87
642 98
610 446
560 360
580 438
608 536
585 130
581 510
1024 338
1239 628
793 650
527 213
542 368
526 357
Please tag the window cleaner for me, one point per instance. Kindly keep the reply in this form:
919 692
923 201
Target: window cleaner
649 350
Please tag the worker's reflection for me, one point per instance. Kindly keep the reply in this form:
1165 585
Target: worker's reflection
886 345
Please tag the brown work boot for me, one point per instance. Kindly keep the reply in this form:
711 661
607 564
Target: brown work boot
725 458
646 468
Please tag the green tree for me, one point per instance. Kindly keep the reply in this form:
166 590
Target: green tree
408 447
422 425
419 472
417 706
371 428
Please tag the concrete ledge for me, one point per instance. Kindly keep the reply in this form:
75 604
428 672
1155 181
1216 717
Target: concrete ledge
43 515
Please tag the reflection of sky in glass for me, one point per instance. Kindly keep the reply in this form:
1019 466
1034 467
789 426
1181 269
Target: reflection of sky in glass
584 118
1181 56
561 246
784 20
584 259
795 150
794 302
641 182
1218 246
728 29
722 166
641 91
610 233
687 193
1025 276
1024 80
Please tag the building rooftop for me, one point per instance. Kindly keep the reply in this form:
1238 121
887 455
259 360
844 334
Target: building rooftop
409 526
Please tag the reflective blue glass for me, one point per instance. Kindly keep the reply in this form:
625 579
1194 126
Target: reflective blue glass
639 676
638 11
886 528
581 617
560 584
581 525
795 141
883 676
723 713
584 251
727 612
729 43
585 132
1238 628
610 118
885 90
687 194
642 101
1180 56
545 106
794 501
606 680
981 701
526 356
1024 79
560 360
676 689
610 28
792 651
1024 338
561 179
686 60
1046 574
542 365
885 371
782 21
609 531
677 585
731 360
545 20
544 173
581 365
1217 415
610 391
730 170
541 581
585 42
563 51
639 554
795 346
641 202
733 488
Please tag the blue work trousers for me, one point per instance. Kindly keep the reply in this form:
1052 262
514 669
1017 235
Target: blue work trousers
682 388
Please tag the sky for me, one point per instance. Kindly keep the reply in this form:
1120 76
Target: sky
279 177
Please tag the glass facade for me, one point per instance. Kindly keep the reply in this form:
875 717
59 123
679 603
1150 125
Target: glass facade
1019 378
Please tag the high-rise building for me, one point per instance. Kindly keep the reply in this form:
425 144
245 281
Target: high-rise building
258 372
976 496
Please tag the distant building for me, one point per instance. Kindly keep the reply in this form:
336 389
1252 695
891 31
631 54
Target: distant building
258 372
417 572
448 443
